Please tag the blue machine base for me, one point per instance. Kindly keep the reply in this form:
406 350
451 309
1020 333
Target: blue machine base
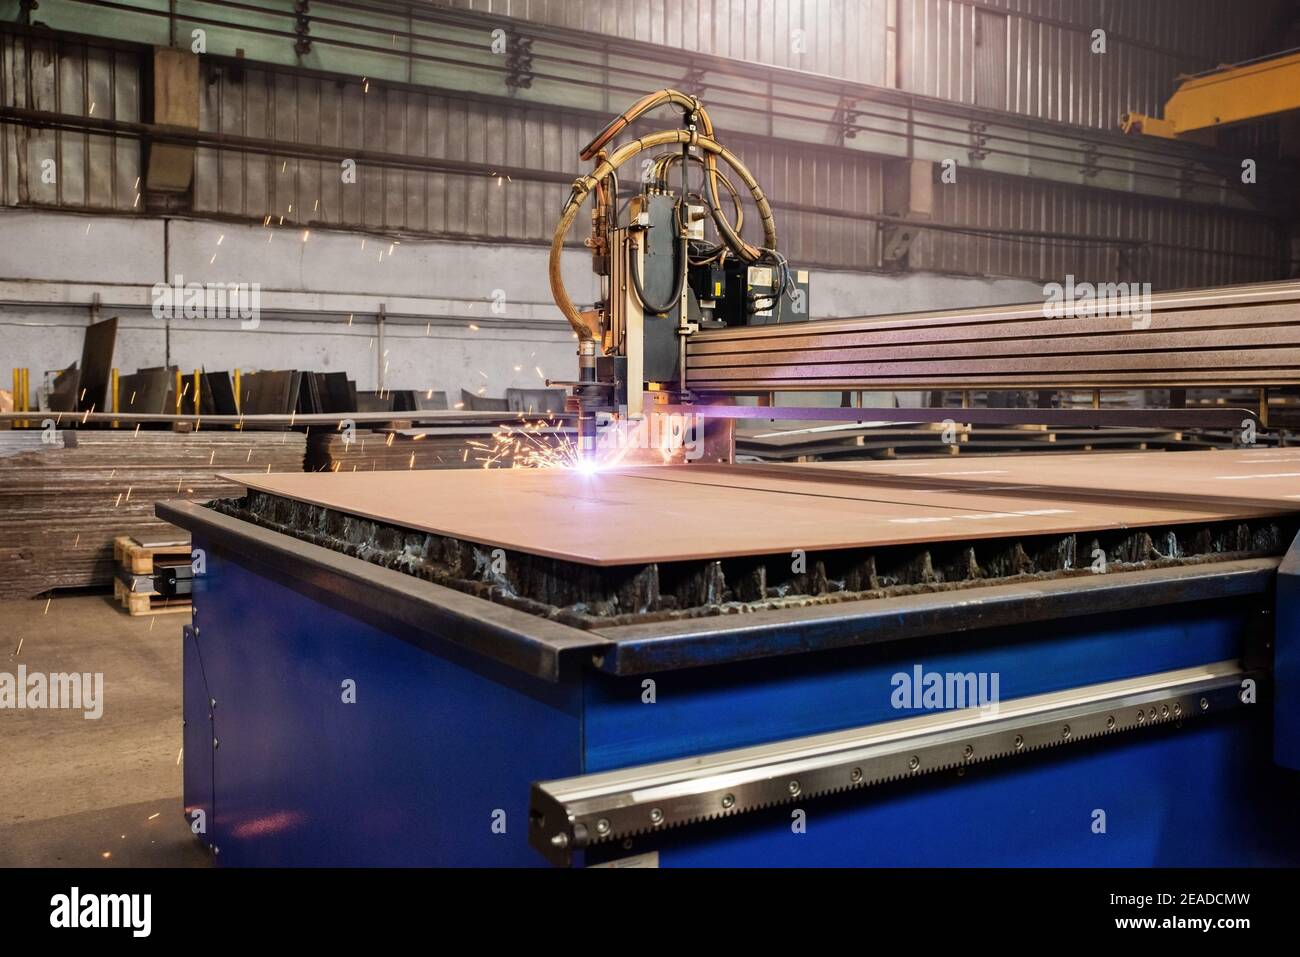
432 762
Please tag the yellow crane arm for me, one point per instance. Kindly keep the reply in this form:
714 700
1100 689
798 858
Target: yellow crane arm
1234 94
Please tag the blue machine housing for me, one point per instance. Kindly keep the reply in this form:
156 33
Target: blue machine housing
460 705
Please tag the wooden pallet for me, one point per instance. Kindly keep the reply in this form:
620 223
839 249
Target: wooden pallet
147 603
134 560
138 559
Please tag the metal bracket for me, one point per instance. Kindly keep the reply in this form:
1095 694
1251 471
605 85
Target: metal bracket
519 62
579 812
846 118
1089 168
978 141
302 27
693 80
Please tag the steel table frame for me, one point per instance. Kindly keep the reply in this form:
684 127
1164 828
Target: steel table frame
463 704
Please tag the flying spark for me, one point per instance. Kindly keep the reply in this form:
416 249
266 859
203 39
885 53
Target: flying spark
539 444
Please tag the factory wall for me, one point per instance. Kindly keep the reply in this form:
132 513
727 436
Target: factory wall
828 201
841 38
1026 56
450 165
1030 57
457 316
1035 57
353 115
460 174
1042 226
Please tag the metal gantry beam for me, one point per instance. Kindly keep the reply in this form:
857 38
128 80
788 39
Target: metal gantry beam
1246 336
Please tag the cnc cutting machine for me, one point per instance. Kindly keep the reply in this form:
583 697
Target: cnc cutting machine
661 280
689 325
1009 660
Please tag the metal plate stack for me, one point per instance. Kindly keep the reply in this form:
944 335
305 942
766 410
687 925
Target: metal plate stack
810 442
65 495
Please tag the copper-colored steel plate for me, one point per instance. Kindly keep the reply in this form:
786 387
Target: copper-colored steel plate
692 512
666 514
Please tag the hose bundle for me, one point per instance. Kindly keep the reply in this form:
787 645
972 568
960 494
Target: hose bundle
701 137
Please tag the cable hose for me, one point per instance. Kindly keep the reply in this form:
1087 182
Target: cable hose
639 289
585 327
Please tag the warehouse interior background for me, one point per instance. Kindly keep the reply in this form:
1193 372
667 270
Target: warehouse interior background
462 139
387 174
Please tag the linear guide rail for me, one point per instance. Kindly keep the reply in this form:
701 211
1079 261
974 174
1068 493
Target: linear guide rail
578 812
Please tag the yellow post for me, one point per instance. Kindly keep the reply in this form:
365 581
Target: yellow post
198 406
27 396
179 386
114 396
18 384
239 399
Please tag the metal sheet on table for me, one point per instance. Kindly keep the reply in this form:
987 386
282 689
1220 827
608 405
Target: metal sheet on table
663 514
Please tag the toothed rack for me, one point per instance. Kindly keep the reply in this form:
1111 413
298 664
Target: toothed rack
575 813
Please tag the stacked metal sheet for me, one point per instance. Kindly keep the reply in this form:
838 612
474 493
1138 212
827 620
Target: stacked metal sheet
810 442
1242 336
65 495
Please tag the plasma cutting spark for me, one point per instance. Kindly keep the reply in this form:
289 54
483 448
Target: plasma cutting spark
539 445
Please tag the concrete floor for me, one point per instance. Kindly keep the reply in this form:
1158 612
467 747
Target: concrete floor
103 792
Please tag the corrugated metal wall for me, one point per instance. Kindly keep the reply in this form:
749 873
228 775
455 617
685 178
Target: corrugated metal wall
1177 245
1211 30
822 195
1047 60
312 111
88 170
1028 56
841 38
1185 245
1031 57
307 110
1043 49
